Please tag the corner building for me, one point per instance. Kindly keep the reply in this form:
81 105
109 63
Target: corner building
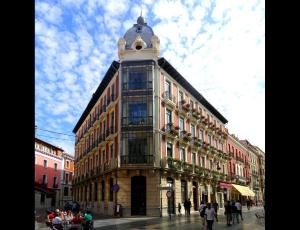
147 131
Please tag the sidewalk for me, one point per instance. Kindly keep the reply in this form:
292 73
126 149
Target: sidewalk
101 221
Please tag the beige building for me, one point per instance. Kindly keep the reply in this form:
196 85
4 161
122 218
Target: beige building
147 139
255 182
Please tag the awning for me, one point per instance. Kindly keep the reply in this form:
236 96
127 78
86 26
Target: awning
224 185
245 191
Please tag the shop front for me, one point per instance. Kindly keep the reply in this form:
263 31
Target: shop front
241 193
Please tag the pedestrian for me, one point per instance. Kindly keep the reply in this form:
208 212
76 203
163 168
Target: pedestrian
49 217
248 204
57 221
239 209
215 206
189 204
228 213
209 216
202 208
185 207
234 212
179 209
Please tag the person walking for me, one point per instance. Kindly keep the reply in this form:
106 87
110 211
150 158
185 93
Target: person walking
209 216
248 204
239 209
215 206
179 209
185 207
228 212
189 204
234 212
202 208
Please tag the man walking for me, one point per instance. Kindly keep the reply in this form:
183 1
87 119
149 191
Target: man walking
228 213
239 209
248 204
189 204
215 206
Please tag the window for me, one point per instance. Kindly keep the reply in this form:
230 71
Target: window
137 113
168 119
44 179
96 191
137 146
223 168
182 154
45 163
216 144
200 134
181 126
192 104
193 158
55 166
137 79
66 191
112 122
67 178
86 167
42 198
181 98
102 190
103 156
169 150
96 160
68 164
183 191
203 162
209 139
111 151
210 164
168 90
54 182
111 191
193 131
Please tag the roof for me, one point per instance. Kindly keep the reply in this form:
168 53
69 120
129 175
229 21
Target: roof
46 143
139 29
105 81
163 63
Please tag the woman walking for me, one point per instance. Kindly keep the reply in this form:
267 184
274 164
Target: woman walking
210 215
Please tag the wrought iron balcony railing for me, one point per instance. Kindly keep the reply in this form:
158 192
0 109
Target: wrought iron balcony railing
137 159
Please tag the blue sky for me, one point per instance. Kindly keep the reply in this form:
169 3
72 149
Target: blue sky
218 46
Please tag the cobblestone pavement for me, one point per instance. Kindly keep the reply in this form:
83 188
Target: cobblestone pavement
250 222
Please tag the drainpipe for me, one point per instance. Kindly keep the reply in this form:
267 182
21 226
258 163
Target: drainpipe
160 194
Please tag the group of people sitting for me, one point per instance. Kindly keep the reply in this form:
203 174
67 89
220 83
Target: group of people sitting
59 219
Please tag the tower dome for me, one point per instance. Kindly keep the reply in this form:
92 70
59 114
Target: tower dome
140 29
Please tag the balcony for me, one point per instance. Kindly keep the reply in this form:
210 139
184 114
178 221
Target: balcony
198 170
183 108
170 130
185 136
169 99
137 121
109 132
137 159
186 167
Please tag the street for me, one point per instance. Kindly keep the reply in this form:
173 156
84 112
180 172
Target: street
177 222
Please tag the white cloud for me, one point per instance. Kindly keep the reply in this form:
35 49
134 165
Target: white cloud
225 62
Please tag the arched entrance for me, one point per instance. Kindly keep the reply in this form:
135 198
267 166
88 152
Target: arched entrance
138 195
171 200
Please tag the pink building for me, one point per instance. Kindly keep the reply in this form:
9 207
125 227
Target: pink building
48 170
